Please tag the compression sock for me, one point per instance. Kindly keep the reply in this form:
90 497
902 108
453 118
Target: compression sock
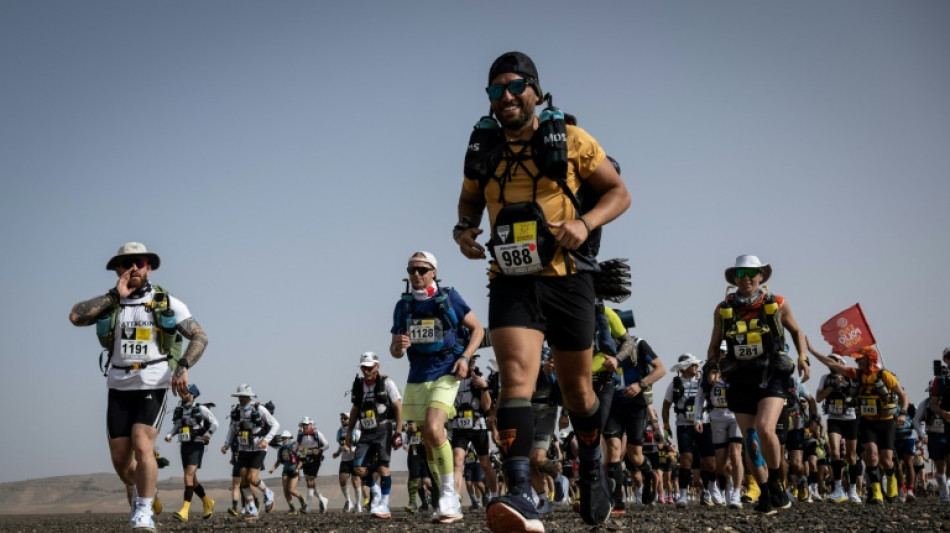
836 467
385 487
615 472
587 427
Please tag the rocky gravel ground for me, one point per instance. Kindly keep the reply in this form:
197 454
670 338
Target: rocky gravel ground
924 515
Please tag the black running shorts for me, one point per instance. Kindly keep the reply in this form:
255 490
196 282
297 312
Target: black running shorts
127 408
560 306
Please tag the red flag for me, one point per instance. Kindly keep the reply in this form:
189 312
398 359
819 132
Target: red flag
848 331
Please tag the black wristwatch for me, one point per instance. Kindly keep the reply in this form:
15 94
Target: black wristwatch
465 223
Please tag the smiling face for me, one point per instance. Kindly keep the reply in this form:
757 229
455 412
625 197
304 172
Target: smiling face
515 112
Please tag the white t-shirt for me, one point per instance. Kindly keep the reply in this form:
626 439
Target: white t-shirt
136 341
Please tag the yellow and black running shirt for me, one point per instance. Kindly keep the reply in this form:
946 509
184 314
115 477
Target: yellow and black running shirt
584 155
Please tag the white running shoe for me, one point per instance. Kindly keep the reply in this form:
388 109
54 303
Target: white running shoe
717 497
813 491
323 504
142 521
450 510
838 496
734 498
682 500
910 495
268 500
853 495
380 511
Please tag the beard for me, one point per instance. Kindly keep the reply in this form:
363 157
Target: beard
136 283
517 123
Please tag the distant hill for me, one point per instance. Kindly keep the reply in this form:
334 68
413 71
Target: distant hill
104 493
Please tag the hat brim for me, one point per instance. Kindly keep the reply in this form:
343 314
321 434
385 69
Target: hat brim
153 260
765 270
679 367
244 395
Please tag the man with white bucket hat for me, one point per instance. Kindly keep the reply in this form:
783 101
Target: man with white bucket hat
252 429
756 366
140 327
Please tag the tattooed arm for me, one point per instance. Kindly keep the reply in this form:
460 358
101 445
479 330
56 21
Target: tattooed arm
197 341
85 313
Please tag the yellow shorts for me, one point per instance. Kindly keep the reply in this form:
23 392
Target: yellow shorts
439 394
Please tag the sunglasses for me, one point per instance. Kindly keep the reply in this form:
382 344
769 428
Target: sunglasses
515 87
421 271
129 261
747 272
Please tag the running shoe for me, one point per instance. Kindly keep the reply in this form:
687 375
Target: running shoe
683 499
596 500
450 509
734 497
156 504
381 511
876 497
893 490
142 522
348 506
323 504
910 496
779 498
620 508
753 492
181 515
268 500
838 496
513 514
853 495
207 507
718 497
232 511
763 506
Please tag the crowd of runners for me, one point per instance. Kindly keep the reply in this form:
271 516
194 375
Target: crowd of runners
565 412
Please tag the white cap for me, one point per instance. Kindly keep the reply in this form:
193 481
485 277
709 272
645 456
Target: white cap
286 435
369 359
306 421
426 258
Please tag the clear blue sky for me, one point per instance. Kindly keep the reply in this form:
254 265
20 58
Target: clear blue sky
285 158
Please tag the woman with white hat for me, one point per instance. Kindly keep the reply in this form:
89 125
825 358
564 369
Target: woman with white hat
756 366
